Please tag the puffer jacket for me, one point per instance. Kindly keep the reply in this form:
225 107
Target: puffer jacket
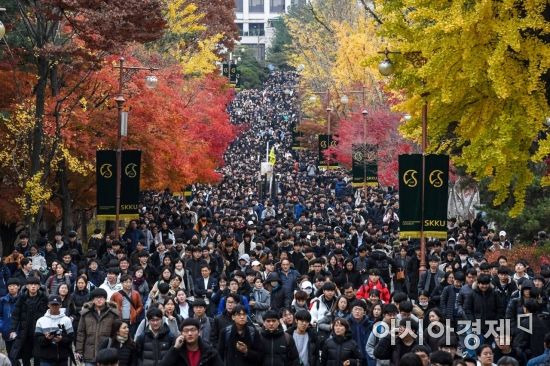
338 349
483 306
28 309
279 349
152 348
7 304
93 328
49 350
312 346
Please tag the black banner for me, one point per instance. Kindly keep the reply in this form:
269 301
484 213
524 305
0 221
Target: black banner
325 142
410 191
225 70
364 165
233 74
436 191
436 195
106 184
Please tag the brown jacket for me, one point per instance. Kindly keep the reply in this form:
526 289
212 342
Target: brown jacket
136 305
93 328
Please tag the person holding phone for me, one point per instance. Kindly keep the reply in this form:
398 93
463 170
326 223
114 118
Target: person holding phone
190 349
239 344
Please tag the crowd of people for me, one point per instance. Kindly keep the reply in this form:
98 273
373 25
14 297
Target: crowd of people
303 270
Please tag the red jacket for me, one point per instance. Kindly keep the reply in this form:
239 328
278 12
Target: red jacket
364 290
136 306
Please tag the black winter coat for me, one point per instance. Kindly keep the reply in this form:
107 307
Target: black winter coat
483 306
209 356
338 349
151 349
279 349
126 351
26 312
227 349
529 345
219 323
313 344
447 302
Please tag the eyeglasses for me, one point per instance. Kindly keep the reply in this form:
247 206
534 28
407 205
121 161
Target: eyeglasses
189 330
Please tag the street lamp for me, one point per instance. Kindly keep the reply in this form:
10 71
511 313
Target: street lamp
407 117
300 68
151 82
313 98
547 121
385 67
344 99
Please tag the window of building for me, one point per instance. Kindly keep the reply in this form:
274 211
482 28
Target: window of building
239 6
277 6
256 6
256 29
241 30
298 2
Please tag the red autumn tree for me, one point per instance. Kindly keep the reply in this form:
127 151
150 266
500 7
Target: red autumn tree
382 131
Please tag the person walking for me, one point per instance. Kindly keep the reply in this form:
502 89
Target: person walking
190 349
31 305
54 335
340 349
96 324
129 303
154 343
278 347
121 340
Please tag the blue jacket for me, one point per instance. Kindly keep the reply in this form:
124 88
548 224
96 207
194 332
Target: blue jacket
540 360
360 332
298 210
244 302
7 304
4 277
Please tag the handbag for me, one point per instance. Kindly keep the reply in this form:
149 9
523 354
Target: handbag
400 275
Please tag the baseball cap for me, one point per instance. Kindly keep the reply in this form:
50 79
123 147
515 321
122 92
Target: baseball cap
255 263
54 300
502 233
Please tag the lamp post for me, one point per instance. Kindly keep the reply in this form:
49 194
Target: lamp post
2 27
385 67
151 81
365 115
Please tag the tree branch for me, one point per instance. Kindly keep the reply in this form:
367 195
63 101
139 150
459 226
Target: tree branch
372 13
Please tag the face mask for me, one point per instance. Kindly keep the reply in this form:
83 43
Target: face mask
308 290
423 303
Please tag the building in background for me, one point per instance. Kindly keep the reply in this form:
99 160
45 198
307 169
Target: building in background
255 18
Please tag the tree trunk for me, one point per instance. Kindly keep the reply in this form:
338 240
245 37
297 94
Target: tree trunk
84 229
66 201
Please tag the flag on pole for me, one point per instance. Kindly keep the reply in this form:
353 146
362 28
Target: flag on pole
272 157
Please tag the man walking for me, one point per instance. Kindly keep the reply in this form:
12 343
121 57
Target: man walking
278 347
96 322
190 349
54 335
129 303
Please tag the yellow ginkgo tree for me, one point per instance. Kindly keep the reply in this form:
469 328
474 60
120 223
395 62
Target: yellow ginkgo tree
480 67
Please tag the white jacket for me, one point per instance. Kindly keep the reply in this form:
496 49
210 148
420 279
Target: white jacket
318 309
50 323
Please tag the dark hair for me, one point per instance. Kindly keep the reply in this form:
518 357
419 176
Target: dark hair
410 359
507 361
239 309
154 312
341 321
303 315
439 314
399 297
406 306
421 348
125 277
442 358
482 347
114 331
235 297
24 261
300 295
389 308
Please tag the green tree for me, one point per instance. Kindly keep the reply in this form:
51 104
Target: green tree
278 53
252 73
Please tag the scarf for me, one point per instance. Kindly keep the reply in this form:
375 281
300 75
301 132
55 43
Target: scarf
121 339
139 281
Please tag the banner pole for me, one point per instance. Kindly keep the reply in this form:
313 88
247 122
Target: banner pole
120 102
422 198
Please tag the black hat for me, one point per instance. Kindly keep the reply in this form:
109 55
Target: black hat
54 300
485 279
107 356
33 280
98 292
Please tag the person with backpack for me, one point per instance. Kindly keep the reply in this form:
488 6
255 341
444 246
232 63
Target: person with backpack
278 347
153 344
129 303
240 344
7 304
374 282
324 303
